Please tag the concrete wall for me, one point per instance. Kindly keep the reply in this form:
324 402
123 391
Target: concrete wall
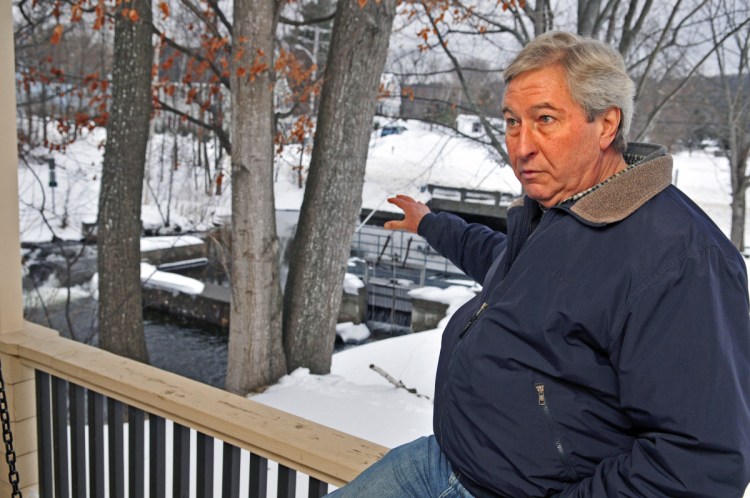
354 307
425 315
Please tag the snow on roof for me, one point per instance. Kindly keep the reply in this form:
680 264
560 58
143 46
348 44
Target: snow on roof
168 242
152 277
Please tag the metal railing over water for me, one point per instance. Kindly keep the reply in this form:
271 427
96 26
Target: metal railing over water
502 199
391 263
400 256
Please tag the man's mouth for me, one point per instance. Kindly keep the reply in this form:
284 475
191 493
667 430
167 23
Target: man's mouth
528 174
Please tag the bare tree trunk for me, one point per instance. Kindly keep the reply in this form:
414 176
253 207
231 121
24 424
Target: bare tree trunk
333 195
735 129
119 224
587 14
541 16
256 356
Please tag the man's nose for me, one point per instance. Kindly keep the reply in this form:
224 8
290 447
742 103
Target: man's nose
526 141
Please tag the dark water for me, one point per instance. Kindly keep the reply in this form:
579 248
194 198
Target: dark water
192 349
195 351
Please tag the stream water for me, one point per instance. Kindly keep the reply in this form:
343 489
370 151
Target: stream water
189 348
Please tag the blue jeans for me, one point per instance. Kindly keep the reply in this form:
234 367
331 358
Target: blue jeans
417 469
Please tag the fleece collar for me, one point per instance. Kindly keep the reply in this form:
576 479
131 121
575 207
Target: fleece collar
649 173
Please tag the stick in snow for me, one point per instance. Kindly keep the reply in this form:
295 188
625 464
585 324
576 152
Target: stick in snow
395 382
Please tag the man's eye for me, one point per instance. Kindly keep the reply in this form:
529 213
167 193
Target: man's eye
511 122
546 119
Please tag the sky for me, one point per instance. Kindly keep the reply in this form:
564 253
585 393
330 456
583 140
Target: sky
353 398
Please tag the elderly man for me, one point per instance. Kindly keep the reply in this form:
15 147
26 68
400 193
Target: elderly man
608 353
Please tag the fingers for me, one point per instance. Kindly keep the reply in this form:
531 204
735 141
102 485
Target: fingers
413 210
401 201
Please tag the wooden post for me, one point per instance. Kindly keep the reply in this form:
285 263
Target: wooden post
19 380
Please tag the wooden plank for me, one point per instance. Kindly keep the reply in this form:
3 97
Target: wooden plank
287 483
60 436
300 444
204 479
44 434
180 461
78 439
136 452
115 432
96 444
157 456
316 488
258 476
231 472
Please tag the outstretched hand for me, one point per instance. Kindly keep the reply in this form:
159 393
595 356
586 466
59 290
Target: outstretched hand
414 211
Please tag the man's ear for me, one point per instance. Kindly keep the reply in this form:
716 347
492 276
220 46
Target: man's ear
610 125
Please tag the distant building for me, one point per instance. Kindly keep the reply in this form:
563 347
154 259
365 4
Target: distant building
389 96
431 102
470 124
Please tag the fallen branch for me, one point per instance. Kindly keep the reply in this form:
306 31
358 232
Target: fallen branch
395 382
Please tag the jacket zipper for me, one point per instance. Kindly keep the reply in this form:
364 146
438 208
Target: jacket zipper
472 320
555 433
466 328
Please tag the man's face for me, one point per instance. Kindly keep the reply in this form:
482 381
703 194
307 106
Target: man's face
554 151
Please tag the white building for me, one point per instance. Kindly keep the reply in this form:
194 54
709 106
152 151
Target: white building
389 96
470 124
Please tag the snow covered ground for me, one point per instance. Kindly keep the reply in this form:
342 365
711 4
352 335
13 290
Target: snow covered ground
353 398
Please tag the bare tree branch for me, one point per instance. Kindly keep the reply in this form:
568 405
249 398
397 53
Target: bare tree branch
685 81
482 117
200 15
657 48
397 383
191 53
220 14
220 133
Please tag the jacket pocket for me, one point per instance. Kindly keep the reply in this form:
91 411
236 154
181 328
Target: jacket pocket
556 439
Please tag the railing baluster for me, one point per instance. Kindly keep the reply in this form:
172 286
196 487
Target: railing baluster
60 436
258 476
77 396
181 459
317 488
205 466
65 464
44 433
157 456
136 452
231 473
115 416
287 486
96 445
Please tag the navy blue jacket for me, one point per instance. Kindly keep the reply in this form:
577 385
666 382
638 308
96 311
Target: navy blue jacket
608 353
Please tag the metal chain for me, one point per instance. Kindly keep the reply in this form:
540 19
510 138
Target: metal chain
10 454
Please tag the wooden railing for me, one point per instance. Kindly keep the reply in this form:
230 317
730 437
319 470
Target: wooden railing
66 372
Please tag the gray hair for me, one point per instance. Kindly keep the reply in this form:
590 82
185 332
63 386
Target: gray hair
595 73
